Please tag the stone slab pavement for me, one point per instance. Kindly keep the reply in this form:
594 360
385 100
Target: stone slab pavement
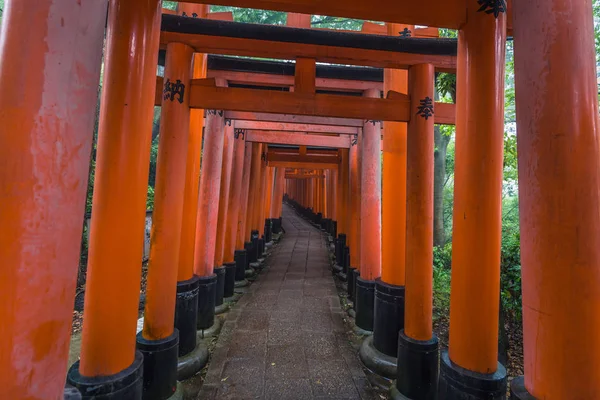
286 338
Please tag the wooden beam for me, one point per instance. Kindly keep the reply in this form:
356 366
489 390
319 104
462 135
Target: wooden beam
215 16
445 113
304 78
439 13
322 105
379 29
274 80
293 119
302 165
289 51
291 127
287 138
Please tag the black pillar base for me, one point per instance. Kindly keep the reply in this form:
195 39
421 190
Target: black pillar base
160 366
207 296
333 229
351 282
249 247
241 263
126 385
255 254
365 303
261 247
518 390
457 383
340 245
389 317
71 393
346 263
230 271
276 225
220 293
418 373
268 230
186 314
355 276
376 361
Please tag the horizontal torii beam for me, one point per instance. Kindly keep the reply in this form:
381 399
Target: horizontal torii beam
299 158
278 42
338 110
439 13
302 165
299 139
294 127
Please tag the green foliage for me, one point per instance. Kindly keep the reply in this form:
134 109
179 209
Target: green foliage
150 198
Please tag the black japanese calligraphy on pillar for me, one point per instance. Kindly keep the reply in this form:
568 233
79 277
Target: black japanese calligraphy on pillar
215 112
239 132
495 7
174 89
405 33
194 15
425 108
354 140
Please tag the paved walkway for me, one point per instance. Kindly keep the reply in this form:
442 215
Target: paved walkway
285 338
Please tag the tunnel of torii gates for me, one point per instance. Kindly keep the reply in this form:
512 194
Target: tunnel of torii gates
311 133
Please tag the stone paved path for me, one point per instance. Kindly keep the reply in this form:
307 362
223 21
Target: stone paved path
285 338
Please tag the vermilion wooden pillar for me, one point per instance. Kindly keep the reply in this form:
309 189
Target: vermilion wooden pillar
334 202
207 217
225 273
235 198
119 204
475 289
158 339
226 168
253 187
242 243
47 110
370 220
417 345
355 203
559 176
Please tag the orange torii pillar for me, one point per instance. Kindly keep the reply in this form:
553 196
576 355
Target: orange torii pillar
268 196
417 345
225 274
207 217
471 363
242 245
254 186
47 110
234 239
354 266
379 351
109 360
260 205
559 176
159 340
342 250
186 311
370 220
276 203
334 208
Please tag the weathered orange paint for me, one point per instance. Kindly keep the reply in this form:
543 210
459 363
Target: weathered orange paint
393 223
234 201
475 288
161 287
242 233
277 193
342 198
226 168
370 198
268 195
355 193
121 183
210 185
259 207
47 111
254 186
559 177
419 210
297 20
334 194
192 172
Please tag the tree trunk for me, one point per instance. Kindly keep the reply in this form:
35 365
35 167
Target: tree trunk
439 178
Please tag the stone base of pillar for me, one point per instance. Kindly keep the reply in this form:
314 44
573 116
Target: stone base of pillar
207 296
242 284
418 373
389 317
190 364
213 330
230 272
125 385
459 383
376 361
351 275
71 393
220 291
186 314
240 264
342 276
222 309
160 366
518 390
364 304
